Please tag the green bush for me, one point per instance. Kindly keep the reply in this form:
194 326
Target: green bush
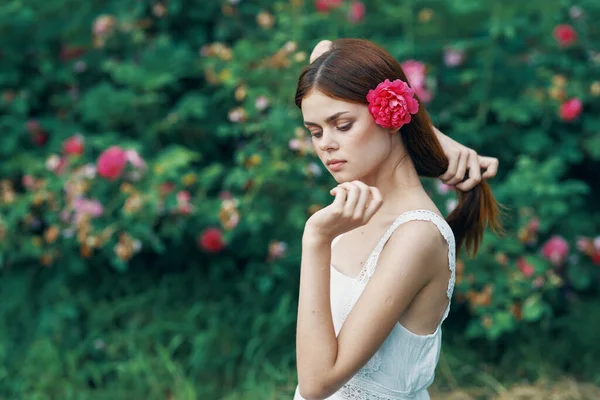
197 197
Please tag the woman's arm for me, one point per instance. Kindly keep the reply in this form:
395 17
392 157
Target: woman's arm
461 158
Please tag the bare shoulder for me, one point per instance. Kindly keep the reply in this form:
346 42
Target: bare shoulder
416 239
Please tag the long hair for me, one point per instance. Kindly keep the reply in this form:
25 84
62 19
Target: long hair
347 72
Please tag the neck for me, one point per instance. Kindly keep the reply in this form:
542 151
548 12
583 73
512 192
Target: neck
397 180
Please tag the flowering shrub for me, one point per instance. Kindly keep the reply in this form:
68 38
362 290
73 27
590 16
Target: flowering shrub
166 135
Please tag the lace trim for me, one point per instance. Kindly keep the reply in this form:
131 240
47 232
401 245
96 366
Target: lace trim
358 388
367 271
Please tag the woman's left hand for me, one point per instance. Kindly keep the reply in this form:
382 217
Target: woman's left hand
354 205
462 159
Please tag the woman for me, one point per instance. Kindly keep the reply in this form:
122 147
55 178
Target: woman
370 315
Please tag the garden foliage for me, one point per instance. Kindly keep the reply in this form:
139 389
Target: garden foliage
155 175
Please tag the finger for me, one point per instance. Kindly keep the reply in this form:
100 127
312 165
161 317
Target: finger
351 199
364 197
340 199
374 204
474 175
453 160
490 164
460 169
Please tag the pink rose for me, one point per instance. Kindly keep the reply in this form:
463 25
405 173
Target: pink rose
211 240
556 250
112 162
73 145
357 11
526 268
135 159
570 109
565 35
392 103
415 73
327 5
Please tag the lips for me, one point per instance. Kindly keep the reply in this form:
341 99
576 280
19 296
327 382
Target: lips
336 166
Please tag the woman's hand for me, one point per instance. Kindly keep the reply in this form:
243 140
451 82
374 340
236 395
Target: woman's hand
462 159
354 205
319 49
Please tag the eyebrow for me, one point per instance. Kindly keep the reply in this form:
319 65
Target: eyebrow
329 119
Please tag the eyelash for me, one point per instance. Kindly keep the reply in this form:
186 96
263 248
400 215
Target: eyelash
341 128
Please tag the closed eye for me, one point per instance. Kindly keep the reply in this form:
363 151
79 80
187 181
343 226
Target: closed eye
341 128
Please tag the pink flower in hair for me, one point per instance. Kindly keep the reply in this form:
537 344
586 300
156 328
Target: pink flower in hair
392 103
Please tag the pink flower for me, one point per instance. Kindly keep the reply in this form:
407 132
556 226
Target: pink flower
442 188
565 35
211 240
392 103
104 24
585 245
89 207
357 11
134 158
415 73
261 103
73 145
556 250
277 249
28 181
294 144
111 162
538 282
534 224
184 196
597 243
526 268
451 204
453 57
570 109
327 5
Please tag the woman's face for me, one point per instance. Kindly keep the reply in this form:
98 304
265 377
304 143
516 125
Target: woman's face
345 131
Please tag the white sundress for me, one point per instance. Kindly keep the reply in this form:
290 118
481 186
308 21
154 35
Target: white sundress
404 366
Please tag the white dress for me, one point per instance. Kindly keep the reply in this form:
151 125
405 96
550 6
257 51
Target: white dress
404 366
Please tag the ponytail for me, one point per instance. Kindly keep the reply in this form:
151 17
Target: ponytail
476 209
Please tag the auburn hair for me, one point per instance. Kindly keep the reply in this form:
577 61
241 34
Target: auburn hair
352 67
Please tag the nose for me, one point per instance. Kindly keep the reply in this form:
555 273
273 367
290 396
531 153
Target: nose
328 141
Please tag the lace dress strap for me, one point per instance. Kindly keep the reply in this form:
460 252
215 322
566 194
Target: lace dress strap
422 215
